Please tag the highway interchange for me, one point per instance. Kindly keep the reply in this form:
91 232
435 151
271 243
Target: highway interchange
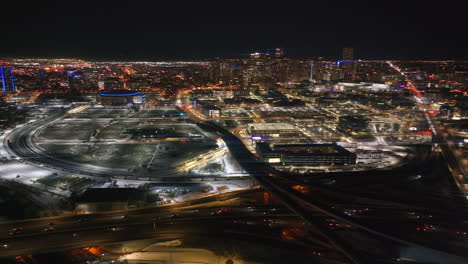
427 222
298 202
225 214
308 202
21 142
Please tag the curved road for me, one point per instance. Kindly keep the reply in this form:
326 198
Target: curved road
20 143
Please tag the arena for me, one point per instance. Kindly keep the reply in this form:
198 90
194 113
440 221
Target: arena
120 97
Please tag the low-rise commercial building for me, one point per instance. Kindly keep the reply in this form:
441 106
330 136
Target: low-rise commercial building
353 124
209 110
272 130
305 154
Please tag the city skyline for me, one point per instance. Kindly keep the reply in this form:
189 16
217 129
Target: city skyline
233 132
141 162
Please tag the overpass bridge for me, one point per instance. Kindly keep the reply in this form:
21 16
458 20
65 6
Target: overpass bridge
269 178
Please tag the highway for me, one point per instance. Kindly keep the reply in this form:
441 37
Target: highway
110 229
203 219
405 231
197 218
21 140
400 187
311 203
271 180
440 137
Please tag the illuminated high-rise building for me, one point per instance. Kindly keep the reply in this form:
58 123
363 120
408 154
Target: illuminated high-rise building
255 55
279 53
348 54
7 78
311 73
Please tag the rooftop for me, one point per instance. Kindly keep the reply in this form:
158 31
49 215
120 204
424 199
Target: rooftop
305 149
119 92
271 126
111 195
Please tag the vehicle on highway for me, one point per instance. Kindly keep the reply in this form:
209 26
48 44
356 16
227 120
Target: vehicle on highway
426 228
114 229
175 215
49 229
16 231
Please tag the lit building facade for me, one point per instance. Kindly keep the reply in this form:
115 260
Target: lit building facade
305 154
7 78
120 98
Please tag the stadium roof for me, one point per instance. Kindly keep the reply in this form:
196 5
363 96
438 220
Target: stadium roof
120 92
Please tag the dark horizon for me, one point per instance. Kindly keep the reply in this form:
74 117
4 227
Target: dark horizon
145 30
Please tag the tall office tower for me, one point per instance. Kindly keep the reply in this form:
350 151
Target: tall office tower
8 80
311 74
215 71
348 54
221 71
279 53
255 55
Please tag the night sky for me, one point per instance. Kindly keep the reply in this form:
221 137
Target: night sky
171 29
